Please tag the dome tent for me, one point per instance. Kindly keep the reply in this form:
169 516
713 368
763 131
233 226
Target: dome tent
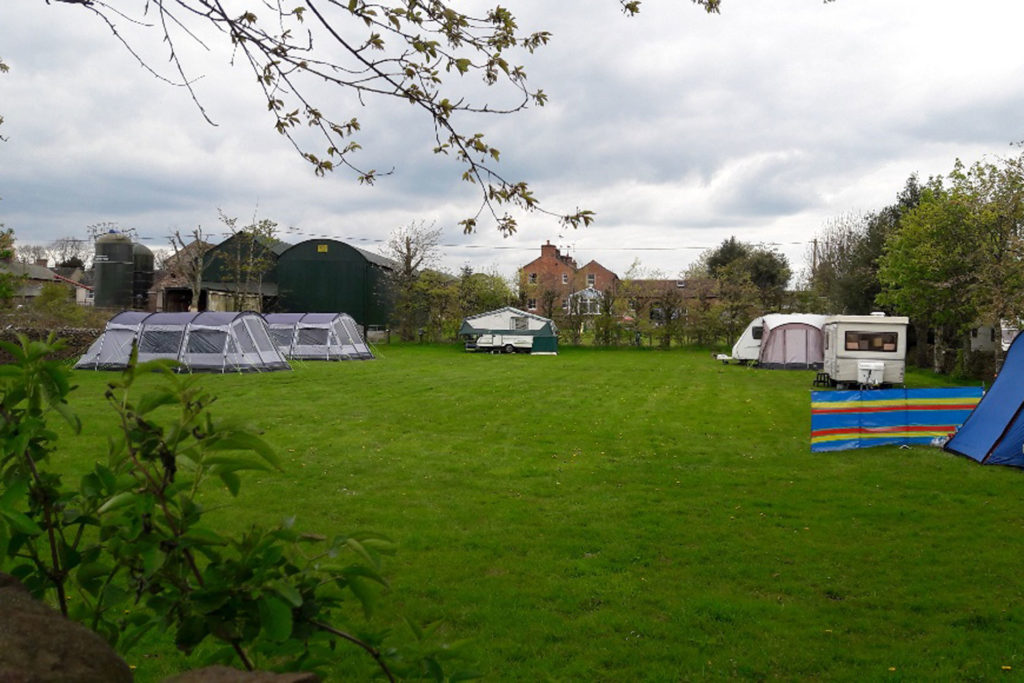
317 336
201 342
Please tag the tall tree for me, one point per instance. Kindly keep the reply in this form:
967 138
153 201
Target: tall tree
68 252
928 270
412 247
249 258
742 263
188 260
845 257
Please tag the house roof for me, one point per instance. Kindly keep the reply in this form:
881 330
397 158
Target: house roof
28 270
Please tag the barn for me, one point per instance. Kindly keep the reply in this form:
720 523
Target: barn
326 276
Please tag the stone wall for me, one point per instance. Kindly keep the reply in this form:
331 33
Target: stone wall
78 339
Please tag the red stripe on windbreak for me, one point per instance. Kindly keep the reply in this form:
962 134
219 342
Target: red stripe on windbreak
889 409
883 430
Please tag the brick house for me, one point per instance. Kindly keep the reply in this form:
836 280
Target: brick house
547 282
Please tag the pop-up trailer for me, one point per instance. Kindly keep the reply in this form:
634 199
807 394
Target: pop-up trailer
865 350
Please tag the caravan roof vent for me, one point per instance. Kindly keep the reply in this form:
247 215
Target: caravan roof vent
878 314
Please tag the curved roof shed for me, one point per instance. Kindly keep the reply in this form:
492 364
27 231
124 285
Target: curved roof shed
326 276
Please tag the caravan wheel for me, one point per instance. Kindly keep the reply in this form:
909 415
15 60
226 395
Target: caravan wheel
509 348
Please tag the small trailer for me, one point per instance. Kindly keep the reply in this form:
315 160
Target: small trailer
864 350
510 330
504 343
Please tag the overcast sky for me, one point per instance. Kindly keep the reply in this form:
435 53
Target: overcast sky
679 129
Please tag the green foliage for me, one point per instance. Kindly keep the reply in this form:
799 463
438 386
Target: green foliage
738 264
129 550
845 257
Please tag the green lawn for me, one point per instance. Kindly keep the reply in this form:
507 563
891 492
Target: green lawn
628 515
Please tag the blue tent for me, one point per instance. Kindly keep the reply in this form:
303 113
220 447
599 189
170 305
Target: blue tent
994 433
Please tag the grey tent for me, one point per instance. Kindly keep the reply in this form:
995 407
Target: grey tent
202 342
317 336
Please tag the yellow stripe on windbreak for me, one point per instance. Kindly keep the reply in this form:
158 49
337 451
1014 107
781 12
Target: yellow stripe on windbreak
962 400
865 436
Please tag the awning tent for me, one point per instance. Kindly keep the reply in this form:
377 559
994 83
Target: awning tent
317 336
202 342
994 433
791 345
782 341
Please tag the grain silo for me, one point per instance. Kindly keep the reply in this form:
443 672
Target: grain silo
114 264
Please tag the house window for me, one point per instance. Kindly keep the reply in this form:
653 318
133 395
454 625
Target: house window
565 278
591 279
872 341
533 278
565 304
531 304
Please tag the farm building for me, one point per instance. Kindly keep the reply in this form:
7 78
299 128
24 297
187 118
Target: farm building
201 342
240 273
325 276
510 330
313 276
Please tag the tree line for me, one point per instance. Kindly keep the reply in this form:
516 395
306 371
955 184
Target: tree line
947 253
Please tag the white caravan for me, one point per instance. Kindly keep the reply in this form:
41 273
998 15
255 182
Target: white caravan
865 350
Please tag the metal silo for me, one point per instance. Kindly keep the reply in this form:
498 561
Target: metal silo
142 275
114 264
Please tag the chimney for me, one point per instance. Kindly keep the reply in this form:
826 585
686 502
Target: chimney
548 250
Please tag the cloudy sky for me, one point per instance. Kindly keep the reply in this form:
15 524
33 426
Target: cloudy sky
679 129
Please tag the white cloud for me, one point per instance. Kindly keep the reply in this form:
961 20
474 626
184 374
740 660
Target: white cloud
679 129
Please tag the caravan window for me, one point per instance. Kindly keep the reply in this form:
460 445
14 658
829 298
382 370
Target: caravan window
884 342
520 323
757 332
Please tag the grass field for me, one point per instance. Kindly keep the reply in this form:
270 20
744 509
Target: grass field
626 515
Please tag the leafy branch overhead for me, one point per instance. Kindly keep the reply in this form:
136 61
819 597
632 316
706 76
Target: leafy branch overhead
418 51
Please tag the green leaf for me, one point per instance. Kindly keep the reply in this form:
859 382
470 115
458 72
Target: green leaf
154 399
120 500
361 551
229 463
231 481
16 488
275 618
288 592
365 593
91 577
244 441
20 523
202 536
190 633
